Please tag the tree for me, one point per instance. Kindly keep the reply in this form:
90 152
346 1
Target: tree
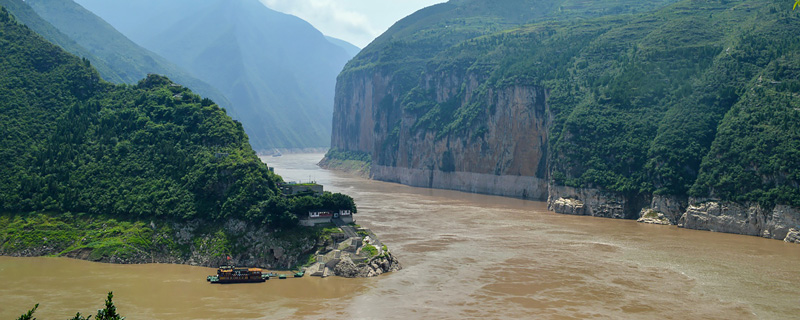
108 313
29 315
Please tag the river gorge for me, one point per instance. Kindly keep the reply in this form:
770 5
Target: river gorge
464 256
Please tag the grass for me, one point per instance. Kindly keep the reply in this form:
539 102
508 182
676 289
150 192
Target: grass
104 238
59 234
370 250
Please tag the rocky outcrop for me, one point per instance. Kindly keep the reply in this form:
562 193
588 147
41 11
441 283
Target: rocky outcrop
749 219
793 236
591 202
671 207
653 217
256 245
664 210
566 206
371 268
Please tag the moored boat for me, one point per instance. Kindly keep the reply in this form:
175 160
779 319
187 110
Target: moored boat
231 274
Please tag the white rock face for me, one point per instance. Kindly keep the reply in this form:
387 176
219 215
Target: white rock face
653 217
749 219
671 207
793 236
486 156
526 187
375 267
588 202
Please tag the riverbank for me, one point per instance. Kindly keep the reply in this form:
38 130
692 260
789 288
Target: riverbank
197 243
355 163
780 222
111 240
511 256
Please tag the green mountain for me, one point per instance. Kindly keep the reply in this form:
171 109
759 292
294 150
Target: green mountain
604 107
26 15
123 165
277 70
118 59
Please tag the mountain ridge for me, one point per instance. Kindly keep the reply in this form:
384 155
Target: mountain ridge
122 60
278 71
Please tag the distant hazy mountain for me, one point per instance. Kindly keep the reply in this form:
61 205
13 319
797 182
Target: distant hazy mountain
117 58
30 18
347 46
277 70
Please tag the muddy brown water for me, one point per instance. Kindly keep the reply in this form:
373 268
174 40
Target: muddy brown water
465 256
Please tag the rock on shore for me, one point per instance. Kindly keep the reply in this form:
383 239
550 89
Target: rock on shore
374 267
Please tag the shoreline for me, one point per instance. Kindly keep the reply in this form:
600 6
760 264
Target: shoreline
778 223
193 243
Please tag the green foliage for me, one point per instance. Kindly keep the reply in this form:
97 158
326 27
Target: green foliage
280 86
370 250
110 311
694 95
103 237
340 154
107 313
74 143
756 154
355 162
29 315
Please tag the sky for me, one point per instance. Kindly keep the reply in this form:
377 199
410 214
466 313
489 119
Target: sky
355 21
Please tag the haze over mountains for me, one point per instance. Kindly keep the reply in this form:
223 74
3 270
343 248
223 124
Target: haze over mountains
277 70
117 58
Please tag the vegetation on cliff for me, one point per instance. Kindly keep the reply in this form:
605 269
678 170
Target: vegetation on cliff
79 152
697 97
355 162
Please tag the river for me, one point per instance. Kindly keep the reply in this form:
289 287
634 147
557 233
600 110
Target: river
464 256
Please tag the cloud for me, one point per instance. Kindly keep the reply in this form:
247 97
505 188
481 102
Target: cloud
330 17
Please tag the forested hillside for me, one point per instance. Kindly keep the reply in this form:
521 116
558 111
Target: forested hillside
118 59
277 70
73 143
695 98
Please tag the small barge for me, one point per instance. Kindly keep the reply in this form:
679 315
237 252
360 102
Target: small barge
231 274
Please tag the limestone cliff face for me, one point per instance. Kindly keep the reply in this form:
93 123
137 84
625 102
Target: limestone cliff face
490 156
504 152
356 110
749 219
587 202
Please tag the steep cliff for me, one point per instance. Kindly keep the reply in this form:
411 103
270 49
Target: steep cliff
600 113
